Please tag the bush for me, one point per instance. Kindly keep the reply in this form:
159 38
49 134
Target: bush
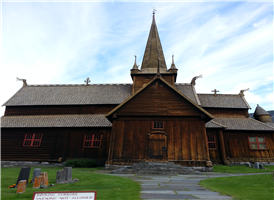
81 163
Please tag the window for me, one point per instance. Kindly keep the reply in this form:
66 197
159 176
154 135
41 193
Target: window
257 142
158 125
211 141
32 140
92 141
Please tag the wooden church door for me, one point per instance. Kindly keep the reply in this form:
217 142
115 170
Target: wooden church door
157 147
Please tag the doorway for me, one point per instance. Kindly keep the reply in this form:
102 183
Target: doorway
157 146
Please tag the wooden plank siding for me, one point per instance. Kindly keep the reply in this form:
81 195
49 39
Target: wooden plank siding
237 146
56 142
12 145
75 147
214 155
158 99
132 136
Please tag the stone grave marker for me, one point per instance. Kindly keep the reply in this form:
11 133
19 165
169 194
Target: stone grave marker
261 166
256 165
37 182
60 176
44 180
36 172
68 171
23 175
21 187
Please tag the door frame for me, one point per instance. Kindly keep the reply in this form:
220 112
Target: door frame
161 133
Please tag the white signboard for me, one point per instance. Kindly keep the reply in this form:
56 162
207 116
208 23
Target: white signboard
90 195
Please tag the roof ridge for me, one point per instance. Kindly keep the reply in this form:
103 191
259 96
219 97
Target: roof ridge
217 94
63 85
182 84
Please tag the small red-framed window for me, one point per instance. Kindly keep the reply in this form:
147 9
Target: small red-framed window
32 140
92 140
257 143
158 125
211 141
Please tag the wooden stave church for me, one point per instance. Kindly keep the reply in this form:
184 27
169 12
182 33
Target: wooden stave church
153 119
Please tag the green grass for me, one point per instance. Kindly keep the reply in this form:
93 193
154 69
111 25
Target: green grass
107 187
243 187
241 169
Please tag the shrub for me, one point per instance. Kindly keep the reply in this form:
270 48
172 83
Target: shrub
81 163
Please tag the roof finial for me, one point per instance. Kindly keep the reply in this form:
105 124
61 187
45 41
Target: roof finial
215 91
193 81
135 66
172 64
242 92
87 81
24 81
153 13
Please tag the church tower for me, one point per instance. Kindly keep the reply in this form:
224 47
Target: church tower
152 60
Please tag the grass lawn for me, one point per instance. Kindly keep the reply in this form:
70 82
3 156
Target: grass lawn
107 187
242 187
241 169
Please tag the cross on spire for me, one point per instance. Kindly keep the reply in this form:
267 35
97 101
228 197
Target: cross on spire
87 81
215 91
153 13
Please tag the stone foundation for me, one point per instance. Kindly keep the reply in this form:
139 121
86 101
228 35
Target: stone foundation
156 168
29 164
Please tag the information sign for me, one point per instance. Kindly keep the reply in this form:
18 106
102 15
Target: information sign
70 195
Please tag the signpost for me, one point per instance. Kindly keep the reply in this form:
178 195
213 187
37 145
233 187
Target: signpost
70 195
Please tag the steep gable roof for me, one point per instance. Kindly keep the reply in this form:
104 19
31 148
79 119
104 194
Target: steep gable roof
169 85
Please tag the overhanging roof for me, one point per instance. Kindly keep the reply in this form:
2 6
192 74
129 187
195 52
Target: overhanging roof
51 121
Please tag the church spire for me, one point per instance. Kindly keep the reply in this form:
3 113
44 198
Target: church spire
172 64
135 64
153 52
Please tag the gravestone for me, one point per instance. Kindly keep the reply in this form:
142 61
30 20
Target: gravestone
256 165
36 172
68 171
21 186
44 180
60 176
23 175
261 166
37 182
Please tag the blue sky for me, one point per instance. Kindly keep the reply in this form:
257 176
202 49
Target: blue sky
229 43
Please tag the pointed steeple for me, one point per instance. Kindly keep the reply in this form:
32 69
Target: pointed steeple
153 52
173 65
135 65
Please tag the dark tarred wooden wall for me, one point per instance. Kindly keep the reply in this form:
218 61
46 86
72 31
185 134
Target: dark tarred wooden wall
66 143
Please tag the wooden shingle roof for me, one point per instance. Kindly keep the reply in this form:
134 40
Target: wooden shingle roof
238 123
70 94
260 111
223 101
189 91
49 121
34 95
